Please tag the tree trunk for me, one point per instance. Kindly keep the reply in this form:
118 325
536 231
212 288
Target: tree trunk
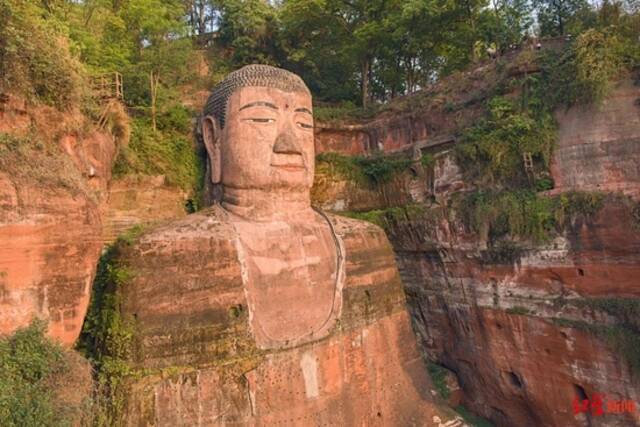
366 66
154 80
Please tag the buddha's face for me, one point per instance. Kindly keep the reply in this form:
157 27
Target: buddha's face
267 142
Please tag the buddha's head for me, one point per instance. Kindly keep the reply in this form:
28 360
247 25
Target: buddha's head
257 128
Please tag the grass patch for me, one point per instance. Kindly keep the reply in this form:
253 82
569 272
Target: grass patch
519 310
438 376
342 112
385 218
472 419
29 159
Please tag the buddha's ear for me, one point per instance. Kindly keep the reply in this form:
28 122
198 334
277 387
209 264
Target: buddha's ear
211 135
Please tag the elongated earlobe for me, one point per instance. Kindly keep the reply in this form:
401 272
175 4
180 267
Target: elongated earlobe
211 135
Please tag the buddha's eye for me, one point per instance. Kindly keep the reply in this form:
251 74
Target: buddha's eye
260 120
305 125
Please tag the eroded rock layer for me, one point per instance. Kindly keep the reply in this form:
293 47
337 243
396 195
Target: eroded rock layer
526 338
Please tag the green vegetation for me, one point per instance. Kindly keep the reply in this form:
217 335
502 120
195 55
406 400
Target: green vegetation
518 310
346 110
107 337
30 158
624 335
626 310
438 376
29 365
492 151
523 213
473 419
372 170
35 55
387 217
167 152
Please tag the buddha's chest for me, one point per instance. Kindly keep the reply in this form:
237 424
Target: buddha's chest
291 274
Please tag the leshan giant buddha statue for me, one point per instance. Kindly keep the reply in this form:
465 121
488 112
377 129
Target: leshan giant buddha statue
261 310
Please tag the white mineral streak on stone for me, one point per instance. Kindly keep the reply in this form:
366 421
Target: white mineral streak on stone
556 252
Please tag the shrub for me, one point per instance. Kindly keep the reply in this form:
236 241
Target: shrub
167 153
35 58
491 151
438 376
599 61
29 365
372 170
515 213
523 213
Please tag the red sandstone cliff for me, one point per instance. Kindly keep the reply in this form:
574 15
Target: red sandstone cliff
54 171
522 331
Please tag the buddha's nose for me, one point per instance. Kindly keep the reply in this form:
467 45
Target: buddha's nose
286 144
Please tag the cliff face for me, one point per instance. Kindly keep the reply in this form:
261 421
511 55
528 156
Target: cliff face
53 176
516 331
598 145
140 200
528 329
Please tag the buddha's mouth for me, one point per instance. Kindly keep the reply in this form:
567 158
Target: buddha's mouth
287 161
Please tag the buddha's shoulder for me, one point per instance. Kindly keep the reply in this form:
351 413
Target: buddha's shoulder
209 225
346 226
350 229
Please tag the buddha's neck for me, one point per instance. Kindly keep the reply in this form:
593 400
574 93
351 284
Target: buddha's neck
263 206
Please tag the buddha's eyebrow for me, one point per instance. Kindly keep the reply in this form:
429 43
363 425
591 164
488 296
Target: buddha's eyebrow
303 110
259 104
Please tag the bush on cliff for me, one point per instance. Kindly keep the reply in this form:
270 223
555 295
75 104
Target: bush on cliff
523 213
366 170
107 337
492 151
35 55
36 380
167 152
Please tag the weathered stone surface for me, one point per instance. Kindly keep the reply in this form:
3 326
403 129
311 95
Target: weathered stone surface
52 180
144 200
352 141
516 364
190 307
597 146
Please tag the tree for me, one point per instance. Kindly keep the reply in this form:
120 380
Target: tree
508 23
248 30
554 15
